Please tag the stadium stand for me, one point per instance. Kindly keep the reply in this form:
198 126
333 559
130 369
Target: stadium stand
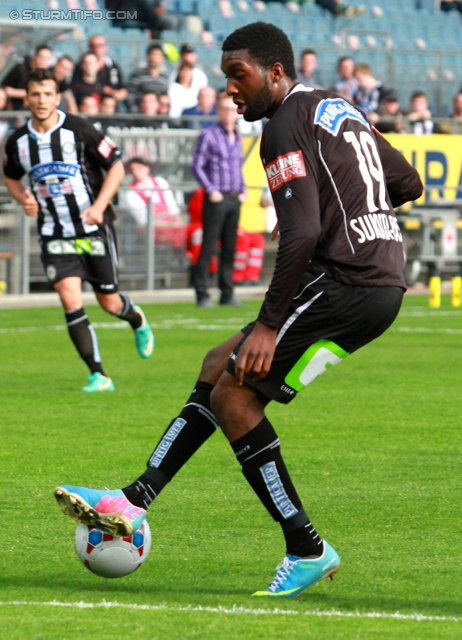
410 45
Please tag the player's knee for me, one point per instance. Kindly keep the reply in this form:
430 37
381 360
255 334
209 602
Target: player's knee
213 366
218 403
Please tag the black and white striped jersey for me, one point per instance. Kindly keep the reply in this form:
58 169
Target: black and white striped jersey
65 166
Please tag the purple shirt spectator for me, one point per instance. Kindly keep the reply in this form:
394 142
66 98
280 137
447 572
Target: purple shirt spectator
217 163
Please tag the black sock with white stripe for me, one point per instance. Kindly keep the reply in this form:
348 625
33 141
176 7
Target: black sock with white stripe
259 453
84 338
183 437
128 311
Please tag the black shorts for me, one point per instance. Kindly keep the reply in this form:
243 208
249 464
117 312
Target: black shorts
92 258
327 321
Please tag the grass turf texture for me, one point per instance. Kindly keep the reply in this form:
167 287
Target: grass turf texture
373 446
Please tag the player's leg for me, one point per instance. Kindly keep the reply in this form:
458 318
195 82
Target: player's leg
328 320
102 273
240 412
122 511
121 305
82 333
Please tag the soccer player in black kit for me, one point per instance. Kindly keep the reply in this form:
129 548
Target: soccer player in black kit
64 157
337 284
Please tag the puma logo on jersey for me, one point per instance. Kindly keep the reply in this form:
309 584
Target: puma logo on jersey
332 112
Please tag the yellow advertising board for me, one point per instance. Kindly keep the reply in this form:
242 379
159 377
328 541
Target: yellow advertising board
437 158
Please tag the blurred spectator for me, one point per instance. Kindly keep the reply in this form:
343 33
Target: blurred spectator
108 105
419 116
89 105
189 55
454 125
249 253
369 92
148 79
109 73
163 108
450 5
340 10
217 166
6 124
149 104
206 106
87 84
181 92
248 258
146 189
308 73
15 81
156 15
347 84
390 116
457 106
63 72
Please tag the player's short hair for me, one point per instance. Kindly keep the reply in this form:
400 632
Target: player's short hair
266 44
40 75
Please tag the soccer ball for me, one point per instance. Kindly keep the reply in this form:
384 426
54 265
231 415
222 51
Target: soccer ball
112 557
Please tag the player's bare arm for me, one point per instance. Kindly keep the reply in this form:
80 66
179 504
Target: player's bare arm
25 198
95 213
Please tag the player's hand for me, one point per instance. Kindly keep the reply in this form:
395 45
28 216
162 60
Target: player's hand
30 204
215 196
275 232
242 197
93 215
256 353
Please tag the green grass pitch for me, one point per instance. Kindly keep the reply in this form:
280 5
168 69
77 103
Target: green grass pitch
374 447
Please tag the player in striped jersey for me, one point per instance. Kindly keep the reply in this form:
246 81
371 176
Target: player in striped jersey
65 157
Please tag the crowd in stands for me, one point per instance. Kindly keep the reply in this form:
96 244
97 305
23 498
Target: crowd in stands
182 97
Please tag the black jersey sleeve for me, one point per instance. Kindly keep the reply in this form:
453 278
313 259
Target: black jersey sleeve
12 168
292 170
99 145
403 181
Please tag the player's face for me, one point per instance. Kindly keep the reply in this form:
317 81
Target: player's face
250 86
43 99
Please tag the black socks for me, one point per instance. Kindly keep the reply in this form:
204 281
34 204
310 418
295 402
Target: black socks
84 338
128 311
184 436
259 454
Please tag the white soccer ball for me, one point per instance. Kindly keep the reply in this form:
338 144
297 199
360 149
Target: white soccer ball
112 557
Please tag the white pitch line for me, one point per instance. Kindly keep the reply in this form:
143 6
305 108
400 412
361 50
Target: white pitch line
446 331
206 327
218 325
333 613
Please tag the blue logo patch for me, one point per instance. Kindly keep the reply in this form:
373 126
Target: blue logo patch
41 171
332 112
